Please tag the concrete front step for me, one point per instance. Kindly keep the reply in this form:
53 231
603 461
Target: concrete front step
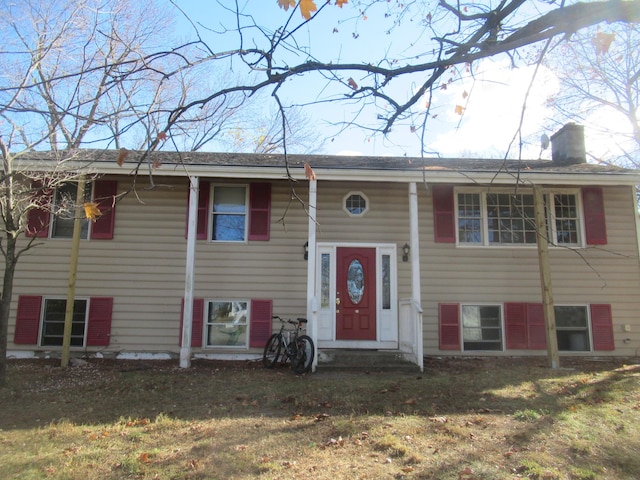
364 360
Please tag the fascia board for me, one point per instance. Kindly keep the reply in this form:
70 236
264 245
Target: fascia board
347 175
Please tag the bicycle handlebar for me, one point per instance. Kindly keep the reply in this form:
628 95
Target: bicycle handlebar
298 321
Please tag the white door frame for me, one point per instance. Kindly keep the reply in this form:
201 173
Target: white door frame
386 318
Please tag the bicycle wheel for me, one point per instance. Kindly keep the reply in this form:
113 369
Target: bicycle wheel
272 351
303 358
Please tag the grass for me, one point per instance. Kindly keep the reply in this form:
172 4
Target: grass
463 419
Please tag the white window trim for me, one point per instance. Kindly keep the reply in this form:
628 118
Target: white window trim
211 214
552 218
552 233
207 324
41 326
500 306
346 210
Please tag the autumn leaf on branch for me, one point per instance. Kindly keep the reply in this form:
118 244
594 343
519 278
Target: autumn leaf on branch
306 7
121 156
286 4
459 109
309 173
341 2
602 41
162 136
352 83
91 211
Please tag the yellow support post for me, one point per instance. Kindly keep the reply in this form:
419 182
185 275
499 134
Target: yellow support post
73 270
545 279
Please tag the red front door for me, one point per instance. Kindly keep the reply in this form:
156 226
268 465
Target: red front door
356 294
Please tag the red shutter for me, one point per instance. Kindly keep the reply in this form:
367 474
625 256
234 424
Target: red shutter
602 327
259 211
203 210
594 222
444 214
196 323
260 327
38 218
28 320
515 317
104 194
99 327
536 331
449 320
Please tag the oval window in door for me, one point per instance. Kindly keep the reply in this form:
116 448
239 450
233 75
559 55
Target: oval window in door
355 281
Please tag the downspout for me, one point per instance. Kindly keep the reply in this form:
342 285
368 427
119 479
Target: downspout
312 303
416 295
192 225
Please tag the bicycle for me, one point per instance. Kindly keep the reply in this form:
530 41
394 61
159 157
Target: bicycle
293 346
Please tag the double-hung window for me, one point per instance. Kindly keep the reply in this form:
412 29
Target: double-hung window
505 218
40 321
482 327
53 322
227 323
572 327
229 222
64 211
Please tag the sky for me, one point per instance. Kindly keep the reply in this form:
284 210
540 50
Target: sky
492 98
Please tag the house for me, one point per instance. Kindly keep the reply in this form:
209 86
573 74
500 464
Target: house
425 257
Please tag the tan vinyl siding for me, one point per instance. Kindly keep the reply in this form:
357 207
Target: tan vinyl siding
143 267
494 275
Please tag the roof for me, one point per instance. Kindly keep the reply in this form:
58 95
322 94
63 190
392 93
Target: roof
332 167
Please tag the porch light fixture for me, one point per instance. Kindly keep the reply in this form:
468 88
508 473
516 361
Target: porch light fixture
306 250
405 252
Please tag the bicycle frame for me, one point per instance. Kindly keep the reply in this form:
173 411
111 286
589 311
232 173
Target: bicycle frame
289 344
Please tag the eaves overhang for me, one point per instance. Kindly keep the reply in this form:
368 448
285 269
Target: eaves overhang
336 168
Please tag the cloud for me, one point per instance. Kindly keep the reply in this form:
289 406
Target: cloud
492 110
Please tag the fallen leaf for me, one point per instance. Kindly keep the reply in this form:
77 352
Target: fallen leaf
144 458
410 401
439 419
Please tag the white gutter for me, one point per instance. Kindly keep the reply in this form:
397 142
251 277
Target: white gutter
192 225
439 175
312 302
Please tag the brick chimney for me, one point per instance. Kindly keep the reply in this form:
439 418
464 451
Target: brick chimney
567 145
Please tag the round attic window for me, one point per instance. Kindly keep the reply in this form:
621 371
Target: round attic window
356 204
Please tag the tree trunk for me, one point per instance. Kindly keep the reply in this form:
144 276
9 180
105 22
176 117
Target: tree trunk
5 304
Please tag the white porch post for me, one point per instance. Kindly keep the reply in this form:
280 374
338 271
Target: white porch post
312 303
416 295
192 225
